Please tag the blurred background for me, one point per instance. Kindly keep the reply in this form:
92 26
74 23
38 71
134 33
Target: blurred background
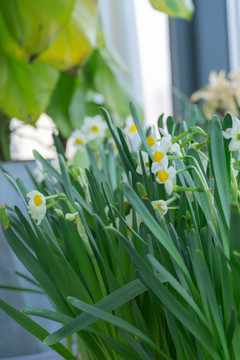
159 54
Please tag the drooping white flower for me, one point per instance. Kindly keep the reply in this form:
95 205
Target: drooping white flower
166 176
160 205
36 205
38 172
94 127
234 134
145 158
130 128
79 140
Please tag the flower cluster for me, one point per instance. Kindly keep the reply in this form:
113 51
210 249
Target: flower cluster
160 149
92 128
221 95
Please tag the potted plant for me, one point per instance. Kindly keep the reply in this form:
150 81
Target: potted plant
140 254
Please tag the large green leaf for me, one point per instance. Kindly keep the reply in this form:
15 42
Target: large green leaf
105 76
77 38
177 8
35 24
25 88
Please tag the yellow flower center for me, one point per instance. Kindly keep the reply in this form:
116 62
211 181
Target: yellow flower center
115 147
37 200
133 128
95 128
158 155
78 141
162 176
159 206
150 140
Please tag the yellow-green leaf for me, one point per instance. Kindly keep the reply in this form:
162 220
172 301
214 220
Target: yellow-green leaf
25 88
176 8
35 24
77 39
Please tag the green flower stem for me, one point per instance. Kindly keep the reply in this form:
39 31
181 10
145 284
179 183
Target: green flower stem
189 131
169 201
173 208
234 188
203 155
196 168
82 233
61 196
48 206
184 143
182 188
198 174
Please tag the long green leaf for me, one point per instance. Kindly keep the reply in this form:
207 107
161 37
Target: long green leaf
154 226
111 302
34 329
112 319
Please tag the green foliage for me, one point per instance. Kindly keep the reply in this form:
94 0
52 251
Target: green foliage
124 276
176 8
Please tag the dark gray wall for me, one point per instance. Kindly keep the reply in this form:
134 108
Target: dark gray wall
199 46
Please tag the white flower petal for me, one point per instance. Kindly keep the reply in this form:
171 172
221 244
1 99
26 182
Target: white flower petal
38 211
168 186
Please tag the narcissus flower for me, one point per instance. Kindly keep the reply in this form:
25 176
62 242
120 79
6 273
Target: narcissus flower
130 128
167 138
234 134
94 127
159 156
79 140
166 176
160 205
36 205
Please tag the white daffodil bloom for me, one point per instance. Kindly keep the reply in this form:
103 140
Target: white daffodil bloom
234 134
38 172
145 158
130 128
159 156
172 147
36 205
152 141
94 127
55 164
167 177
79 140
160 205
